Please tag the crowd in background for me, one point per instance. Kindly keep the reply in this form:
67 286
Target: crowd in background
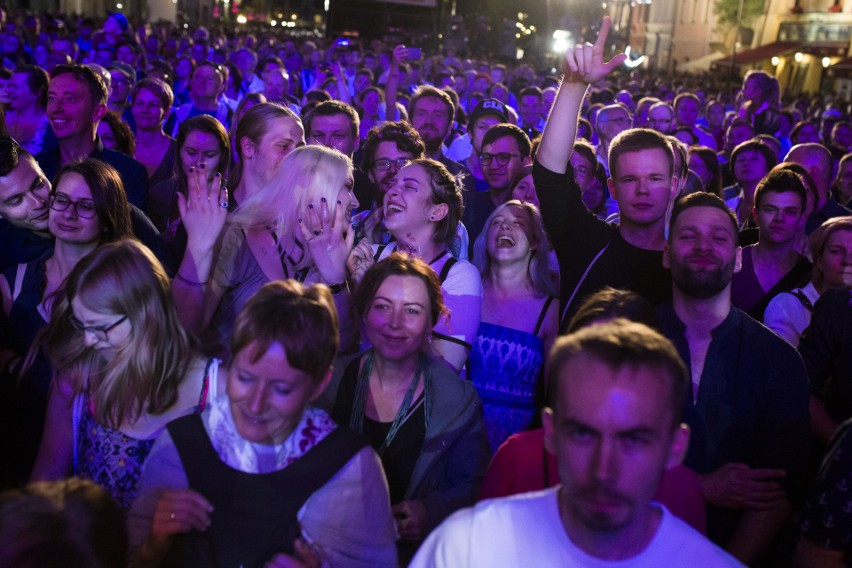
338 266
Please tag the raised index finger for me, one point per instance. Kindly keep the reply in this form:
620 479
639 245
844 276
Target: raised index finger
600 43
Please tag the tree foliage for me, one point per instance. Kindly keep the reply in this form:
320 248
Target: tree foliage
726 11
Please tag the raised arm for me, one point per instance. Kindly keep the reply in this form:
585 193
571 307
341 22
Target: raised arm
582 66
204 219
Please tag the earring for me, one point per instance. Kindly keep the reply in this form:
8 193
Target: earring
432 218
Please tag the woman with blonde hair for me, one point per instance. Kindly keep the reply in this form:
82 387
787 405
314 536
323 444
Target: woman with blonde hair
123 369
520 319
789 313
295 226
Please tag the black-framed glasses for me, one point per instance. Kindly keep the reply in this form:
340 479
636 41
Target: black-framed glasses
502 158
85 208
100 332
384 164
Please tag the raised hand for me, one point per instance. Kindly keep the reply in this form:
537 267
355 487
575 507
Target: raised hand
204 208
329 238
360 259
584 63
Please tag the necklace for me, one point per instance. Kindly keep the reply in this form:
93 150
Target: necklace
359 405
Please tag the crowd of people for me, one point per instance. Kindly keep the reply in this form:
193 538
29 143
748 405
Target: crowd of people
412 286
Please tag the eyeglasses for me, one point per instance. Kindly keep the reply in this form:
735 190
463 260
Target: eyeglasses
384 164
100 332
85 208
502 158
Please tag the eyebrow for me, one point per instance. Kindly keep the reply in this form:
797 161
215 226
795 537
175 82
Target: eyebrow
415 180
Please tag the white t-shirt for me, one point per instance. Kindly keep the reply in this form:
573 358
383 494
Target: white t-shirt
526 530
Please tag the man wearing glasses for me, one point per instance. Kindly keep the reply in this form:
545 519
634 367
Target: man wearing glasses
661 118
611 121
505 150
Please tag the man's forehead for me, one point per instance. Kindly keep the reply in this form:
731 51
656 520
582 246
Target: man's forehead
705 217
339 120
504 142
66 82
434 103
21 176
389 149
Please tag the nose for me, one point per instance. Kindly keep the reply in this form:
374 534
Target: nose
89 339
605 461
257 400
71 211
37 199
395 320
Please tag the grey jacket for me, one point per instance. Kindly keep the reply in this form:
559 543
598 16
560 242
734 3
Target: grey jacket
455 452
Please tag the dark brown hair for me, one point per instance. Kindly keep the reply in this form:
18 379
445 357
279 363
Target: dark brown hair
398 264
301 318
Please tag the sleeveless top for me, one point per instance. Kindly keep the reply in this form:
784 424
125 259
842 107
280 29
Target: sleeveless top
111 458
255 515
505 365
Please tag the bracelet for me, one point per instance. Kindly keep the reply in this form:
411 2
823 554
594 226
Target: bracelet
337 289
190 282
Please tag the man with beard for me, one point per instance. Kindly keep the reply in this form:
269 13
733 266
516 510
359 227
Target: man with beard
431 113
748 408
614 424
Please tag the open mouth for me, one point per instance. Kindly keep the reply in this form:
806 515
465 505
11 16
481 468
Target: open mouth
505 241
393 208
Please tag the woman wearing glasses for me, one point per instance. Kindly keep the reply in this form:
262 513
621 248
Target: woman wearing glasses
123 370
88 208
422 212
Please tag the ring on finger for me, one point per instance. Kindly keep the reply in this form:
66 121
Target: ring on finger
223 204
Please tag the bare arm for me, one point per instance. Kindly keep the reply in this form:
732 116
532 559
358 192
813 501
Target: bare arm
204 219
810 555
399 54
581 66
822 425
55 459
756 532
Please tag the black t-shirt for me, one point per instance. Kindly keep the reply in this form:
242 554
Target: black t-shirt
592 254
401 455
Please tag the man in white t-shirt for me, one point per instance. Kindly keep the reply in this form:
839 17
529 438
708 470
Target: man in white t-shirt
614 427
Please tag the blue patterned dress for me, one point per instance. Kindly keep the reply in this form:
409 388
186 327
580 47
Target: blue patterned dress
111 458
505 365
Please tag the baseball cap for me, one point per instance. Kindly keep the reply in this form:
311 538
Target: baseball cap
489 106
124 69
